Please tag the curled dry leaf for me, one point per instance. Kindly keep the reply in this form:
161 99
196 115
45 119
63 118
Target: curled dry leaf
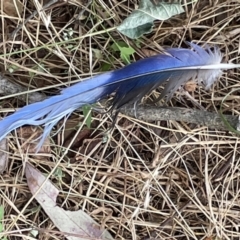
75 225
12 7
190 86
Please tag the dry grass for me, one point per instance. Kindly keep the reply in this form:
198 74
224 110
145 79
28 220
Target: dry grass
161 180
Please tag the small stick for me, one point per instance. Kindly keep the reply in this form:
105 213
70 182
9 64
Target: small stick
209 119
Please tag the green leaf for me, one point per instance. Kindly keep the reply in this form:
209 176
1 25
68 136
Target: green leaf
138 43
1 212
59 173
141 20
117 45
107 64
97 53
105 67
87 114
12 68
125 51
1 219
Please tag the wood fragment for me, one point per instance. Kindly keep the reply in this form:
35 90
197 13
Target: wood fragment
204 118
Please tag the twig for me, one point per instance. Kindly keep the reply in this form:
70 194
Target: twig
47 5
84 9
204 118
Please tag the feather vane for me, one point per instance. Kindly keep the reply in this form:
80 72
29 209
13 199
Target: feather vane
129 84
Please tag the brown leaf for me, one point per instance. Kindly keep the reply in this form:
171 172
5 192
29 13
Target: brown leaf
12 7
148 52
70 129
77 224
190 86
89 145
28 142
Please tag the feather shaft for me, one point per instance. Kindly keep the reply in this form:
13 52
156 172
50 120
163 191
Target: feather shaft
129 84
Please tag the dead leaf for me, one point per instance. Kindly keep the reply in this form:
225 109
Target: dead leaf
3 155
28 142
12 7
89 145
78 224
190 86
70 129
148 52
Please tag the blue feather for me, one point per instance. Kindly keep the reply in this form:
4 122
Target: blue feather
129 84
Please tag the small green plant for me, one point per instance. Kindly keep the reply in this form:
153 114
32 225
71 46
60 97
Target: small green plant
12 68
59 174
125 50
1 222
87 114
